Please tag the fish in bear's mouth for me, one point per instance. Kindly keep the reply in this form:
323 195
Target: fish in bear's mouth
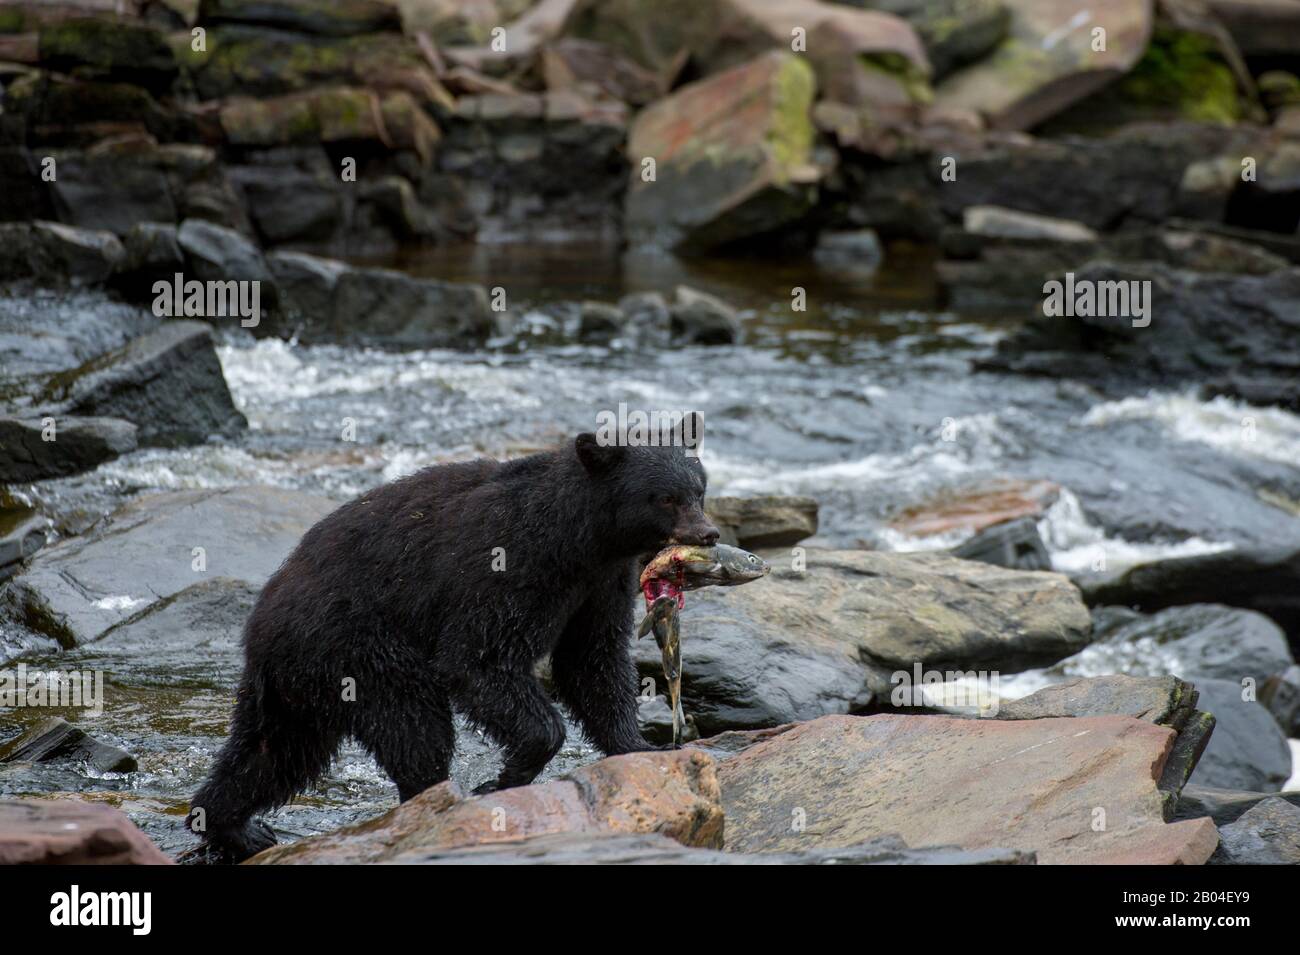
682 567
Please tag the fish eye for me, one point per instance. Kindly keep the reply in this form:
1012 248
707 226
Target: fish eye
753 559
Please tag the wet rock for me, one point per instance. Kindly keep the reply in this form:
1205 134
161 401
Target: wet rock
732 154
1033 785
852 251
656 720
802 644
168 383
394 202
1047 62
55 738
337 18
71 832
1266 834
1230 332
1192 641
306 283
670 793
78 444
1224 806
22 533
407 312
976 507
77 589
58 254
605 848
216 253
1247 750
1015 544
703 319
770 521
1281 694
179 640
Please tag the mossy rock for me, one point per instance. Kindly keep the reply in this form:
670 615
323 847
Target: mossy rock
1183 72
121 48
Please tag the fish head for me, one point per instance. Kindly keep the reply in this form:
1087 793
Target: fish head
738 566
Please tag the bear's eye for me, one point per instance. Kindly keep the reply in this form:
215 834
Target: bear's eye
667 500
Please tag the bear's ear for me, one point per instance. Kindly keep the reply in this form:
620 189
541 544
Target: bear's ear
691 431
597 457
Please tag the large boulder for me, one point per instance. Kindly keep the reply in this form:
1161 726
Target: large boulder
58 254
119 47
146 552
1232 334
671 793
71 832
168 383
1075 790
1048 60
804 643
1248 750
772 521
732 157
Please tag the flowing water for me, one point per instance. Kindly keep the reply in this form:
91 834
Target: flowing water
865 401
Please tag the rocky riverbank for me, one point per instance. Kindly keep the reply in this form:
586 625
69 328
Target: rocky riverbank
1085 526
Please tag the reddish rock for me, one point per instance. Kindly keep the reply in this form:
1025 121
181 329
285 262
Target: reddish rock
1047 61
1072 790
671 793
975 508
732 155
70 832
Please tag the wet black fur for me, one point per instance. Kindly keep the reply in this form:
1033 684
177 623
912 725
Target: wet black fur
396 590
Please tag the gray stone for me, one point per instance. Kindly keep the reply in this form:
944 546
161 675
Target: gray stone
1281 694
1015 544
703 319
769 521
1266 834
1248 750
56 738
80 443
1223 805
999 223
168 383
76 590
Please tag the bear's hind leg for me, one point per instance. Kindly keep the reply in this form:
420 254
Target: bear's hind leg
411 735
515 711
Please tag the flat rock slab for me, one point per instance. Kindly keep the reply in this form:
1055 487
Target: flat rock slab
70 832
1036 785
81 587
611 848
674 794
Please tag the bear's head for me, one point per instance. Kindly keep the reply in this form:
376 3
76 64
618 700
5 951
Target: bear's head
652 494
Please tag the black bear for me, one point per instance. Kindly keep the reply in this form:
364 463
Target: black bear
440 592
